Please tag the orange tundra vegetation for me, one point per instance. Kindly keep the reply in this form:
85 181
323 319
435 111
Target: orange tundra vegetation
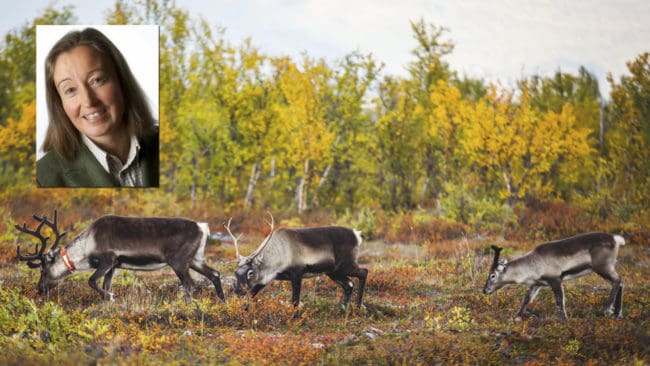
423 306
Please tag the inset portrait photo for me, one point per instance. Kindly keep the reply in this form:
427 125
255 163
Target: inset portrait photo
97 106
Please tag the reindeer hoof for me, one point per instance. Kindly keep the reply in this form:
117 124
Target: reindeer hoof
609 312
527 314
518 319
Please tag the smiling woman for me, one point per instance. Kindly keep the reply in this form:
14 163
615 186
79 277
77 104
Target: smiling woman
101 131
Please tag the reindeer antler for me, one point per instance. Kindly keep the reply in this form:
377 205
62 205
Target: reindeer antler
53 226
268 238
234 239
38 251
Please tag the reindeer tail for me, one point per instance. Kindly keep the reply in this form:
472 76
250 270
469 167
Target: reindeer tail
619 240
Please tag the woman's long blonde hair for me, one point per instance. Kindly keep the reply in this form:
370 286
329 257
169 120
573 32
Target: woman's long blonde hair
62 137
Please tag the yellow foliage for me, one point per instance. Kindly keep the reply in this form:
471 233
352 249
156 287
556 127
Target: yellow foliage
449 110
303 117
519 145
18 136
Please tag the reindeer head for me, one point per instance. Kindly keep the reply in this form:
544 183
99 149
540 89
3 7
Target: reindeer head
494 282
51 262
248 268
246 274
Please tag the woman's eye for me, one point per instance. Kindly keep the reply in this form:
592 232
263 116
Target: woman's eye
100 80
69 91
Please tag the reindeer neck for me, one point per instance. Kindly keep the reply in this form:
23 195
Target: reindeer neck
272 254
521 270
78 251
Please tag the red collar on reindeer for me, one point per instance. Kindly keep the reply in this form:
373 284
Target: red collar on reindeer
66 260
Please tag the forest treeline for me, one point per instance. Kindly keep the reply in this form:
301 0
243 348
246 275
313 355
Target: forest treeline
248 131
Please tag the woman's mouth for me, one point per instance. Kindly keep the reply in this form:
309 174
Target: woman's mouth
95 116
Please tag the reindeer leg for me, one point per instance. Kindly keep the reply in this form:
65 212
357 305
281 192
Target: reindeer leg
345 284
256 289
186 282
213 276
361 274
530 296
556 286
183 273
618 307
612 277
296 284
105 266
108 278
253 292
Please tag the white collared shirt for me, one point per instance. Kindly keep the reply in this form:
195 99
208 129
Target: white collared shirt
129 174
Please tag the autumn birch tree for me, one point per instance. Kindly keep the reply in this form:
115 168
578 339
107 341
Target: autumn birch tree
347 180
398 142
308 136
627 141
518 144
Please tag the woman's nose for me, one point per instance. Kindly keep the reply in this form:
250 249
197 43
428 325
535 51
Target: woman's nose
88 97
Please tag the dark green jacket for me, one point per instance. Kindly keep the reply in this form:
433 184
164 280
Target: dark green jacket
85 171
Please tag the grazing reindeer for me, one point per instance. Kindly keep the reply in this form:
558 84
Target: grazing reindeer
139 244
552 262
293 254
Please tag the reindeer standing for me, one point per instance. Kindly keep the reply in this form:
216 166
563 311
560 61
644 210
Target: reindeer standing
552 262
293 254
111 242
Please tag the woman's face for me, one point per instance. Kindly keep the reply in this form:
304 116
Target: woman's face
90 92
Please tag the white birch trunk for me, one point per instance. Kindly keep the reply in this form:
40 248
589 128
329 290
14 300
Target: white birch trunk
252 182
301 194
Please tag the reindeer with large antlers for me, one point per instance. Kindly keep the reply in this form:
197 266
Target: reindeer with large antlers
112 242
39 258
293 254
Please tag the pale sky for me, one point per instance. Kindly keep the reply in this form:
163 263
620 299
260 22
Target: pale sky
502 40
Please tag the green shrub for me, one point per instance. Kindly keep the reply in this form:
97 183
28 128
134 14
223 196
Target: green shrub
460 204
37 324
364 220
